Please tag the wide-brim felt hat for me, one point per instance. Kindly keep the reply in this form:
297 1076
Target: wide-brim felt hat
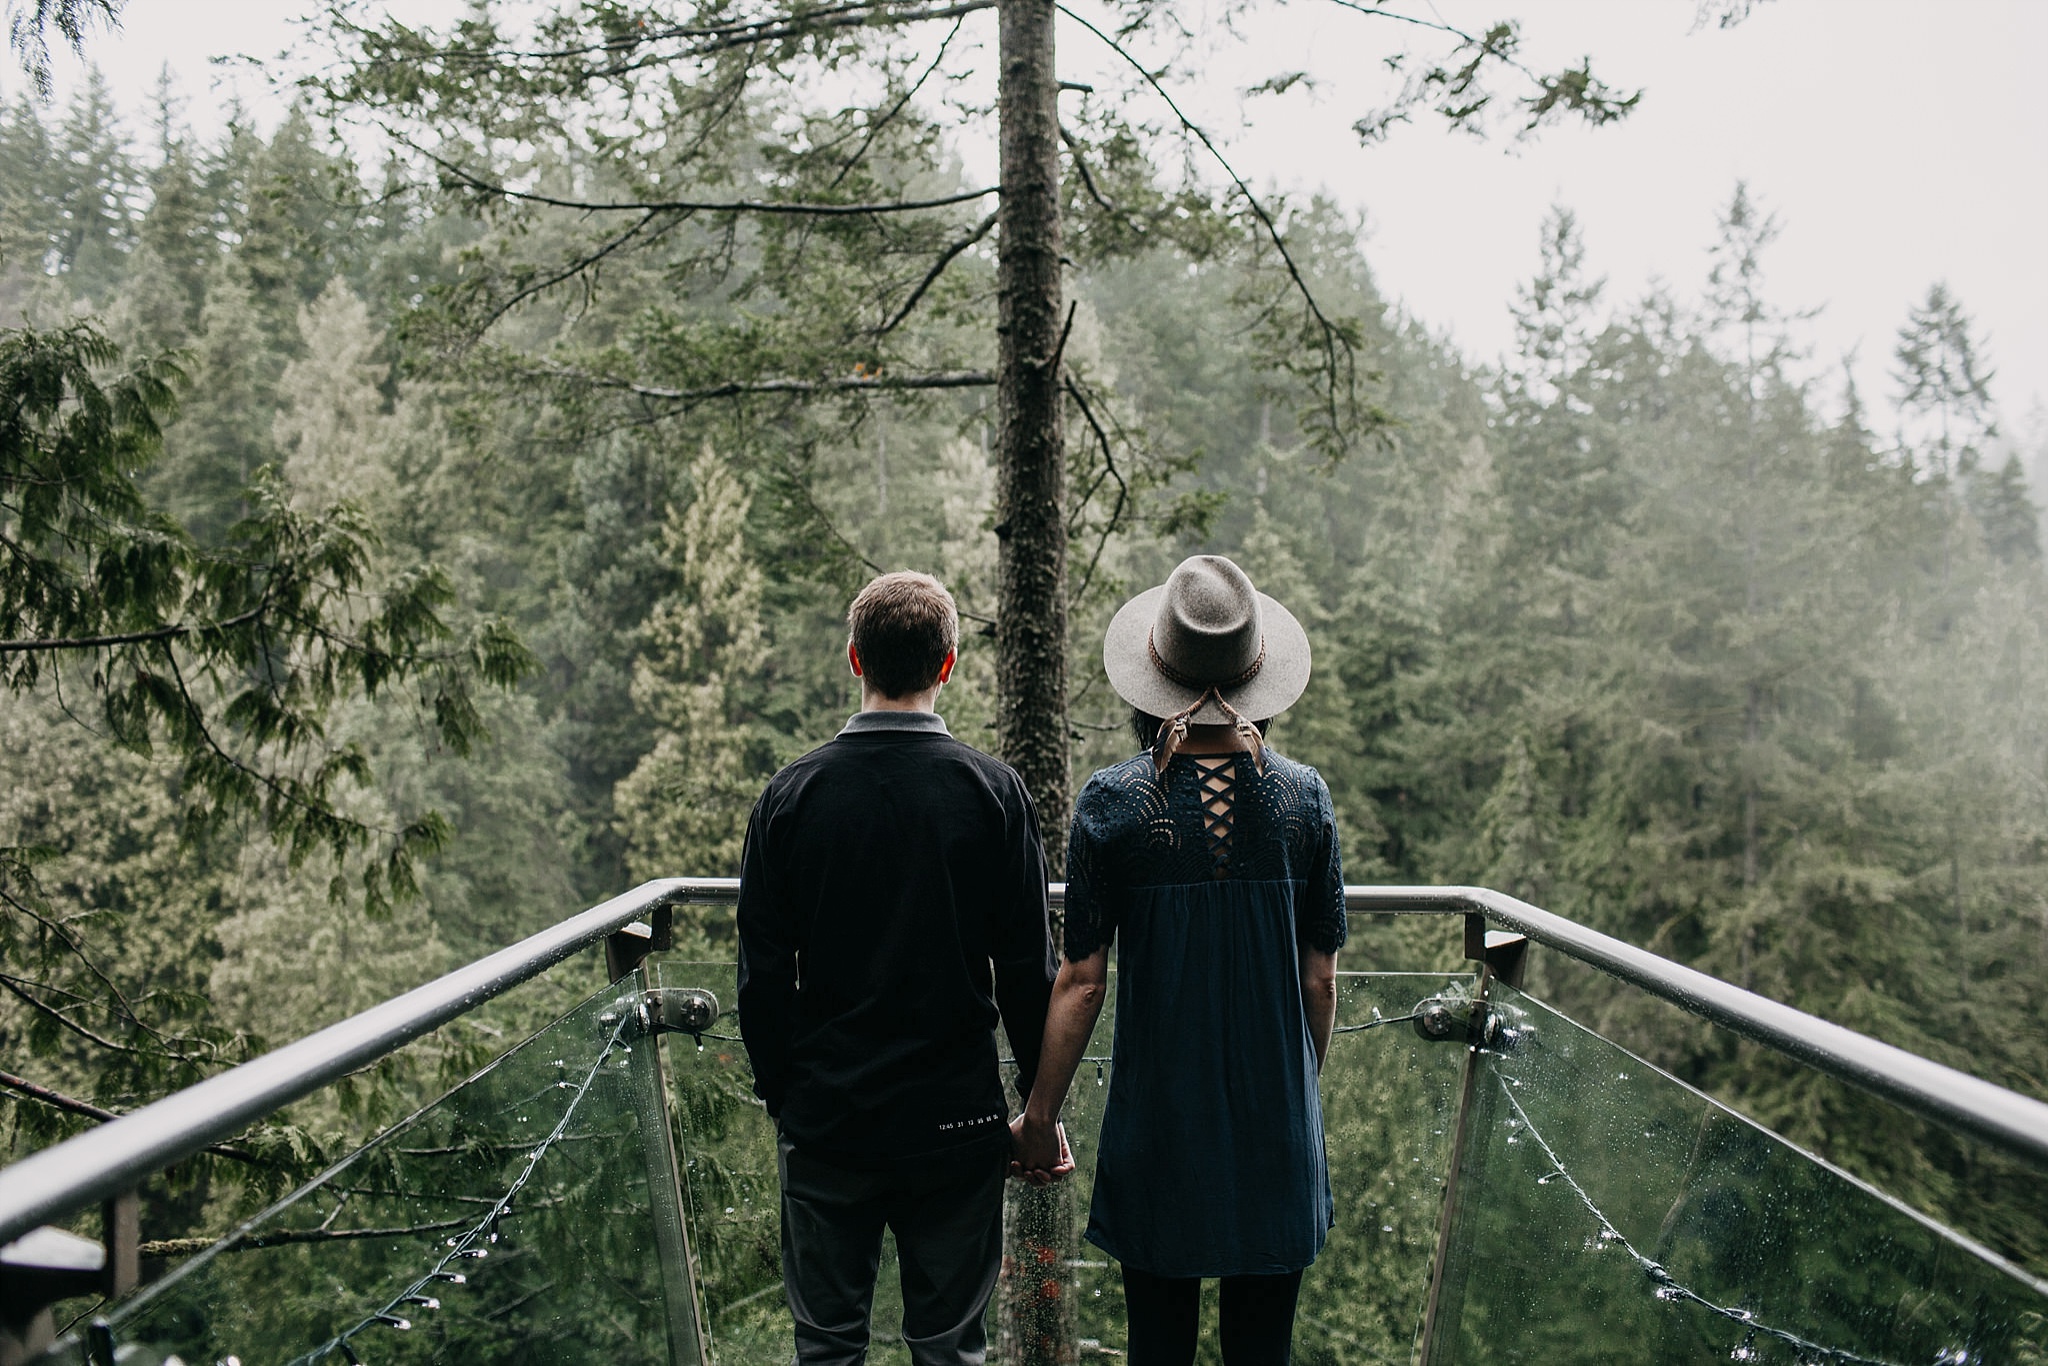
1206 627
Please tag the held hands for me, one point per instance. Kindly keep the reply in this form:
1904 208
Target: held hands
1038 1152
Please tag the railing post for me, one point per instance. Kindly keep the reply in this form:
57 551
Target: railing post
1501 958
688 1344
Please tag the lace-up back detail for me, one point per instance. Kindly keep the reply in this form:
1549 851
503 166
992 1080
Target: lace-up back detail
1206 819
1219 805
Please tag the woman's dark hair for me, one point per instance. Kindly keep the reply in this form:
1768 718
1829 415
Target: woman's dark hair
1145 727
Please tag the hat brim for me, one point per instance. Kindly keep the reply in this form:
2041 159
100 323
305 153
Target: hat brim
1280 680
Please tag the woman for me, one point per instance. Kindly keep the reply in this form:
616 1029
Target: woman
1211 862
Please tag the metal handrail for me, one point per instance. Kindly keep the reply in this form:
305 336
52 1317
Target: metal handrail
102 1163
2006 1119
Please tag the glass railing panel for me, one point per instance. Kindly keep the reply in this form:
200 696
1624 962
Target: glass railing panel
1389 1104
1606 1204
1388 1096
730 1193
511 1221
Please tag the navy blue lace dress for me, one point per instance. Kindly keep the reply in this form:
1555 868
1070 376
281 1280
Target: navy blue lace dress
1209 879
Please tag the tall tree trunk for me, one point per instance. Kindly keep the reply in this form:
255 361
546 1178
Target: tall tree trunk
1036 1311
1031 476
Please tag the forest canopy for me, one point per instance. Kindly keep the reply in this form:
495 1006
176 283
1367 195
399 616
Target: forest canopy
467 535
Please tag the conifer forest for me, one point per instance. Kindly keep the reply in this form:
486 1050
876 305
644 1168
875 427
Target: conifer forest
434 511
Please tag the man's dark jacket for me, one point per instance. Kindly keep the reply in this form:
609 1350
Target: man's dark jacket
892 901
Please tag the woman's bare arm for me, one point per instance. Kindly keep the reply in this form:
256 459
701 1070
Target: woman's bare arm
1319 998
1069 1021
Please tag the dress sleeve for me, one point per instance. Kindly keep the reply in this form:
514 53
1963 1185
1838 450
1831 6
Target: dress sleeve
1322 924
1089 923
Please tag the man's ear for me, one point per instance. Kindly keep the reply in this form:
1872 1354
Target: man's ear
946 669
853 659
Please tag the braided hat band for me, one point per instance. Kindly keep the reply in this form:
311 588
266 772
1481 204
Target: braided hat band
1186 682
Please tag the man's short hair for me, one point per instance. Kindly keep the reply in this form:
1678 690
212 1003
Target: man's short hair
903 625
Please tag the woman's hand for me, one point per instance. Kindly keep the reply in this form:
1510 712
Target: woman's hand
1038 1152
1038 1145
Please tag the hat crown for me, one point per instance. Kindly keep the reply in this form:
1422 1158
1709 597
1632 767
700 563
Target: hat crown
1207 631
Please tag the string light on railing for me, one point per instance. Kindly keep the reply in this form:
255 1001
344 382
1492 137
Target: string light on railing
474 1244
1668 1287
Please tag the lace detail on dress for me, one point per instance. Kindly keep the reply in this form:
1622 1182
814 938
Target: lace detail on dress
1219 806
1207 817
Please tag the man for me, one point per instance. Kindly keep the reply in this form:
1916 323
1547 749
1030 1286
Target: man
892 905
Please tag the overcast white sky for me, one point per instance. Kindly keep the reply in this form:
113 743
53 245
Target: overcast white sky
1899 143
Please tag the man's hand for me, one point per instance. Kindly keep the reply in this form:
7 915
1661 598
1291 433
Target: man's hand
1039 1152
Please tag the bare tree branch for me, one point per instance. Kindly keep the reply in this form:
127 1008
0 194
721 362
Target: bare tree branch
874 128
1088 182
57 1100
172 632
17 987
172 1045
722 37
769 206
567 272
938 379
1123 489
1339 364
946 258
1575 90
185 1247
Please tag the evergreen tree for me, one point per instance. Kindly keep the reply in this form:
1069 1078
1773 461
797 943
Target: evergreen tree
1943 386
331 427
2006 513
27 213
684 806
223 435
96 188
1944 400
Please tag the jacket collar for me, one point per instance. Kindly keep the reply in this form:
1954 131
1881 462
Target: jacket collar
924 722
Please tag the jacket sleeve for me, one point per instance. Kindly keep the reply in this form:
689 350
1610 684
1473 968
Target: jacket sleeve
1022 941
767 966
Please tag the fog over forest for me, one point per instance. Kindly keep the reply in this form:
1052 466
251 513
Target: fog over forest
456 548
